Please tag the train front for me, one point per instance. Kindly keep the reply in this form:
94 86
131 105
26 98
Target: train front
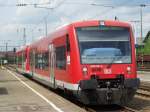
108 65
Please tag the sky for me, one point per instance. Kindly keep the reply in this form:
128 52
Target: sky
14 19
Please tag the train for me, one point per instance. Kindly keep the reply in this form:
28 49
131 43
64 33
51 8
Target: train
92 60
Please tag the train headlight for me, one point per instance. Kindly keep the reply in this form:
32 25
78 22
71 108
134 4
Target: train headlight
84 70
129 69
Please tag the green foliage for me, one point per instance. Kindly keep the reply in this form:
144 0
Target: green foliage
146 49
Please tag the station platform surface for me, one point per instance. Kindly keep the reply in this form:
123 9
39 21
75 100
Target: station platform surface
19 94
144 76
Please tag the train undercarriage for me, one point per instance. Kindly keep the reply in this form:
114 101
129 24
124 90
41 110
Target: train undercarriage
109 91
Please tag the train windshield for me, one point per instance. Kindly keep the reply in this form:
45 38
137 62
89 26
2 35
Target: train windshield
104 45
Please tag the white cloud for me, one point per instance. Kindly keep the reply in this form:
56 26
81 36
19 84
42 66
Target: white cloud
44 1
64 12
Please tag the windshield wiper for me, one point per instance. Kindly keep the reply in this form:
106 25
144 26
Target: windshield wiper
113 60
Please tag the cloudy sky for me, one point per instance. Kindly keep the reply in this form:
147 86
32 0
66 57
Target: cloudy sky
14 18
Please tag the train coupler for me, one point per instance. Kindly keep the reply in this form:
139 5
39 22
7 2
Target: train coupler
109 93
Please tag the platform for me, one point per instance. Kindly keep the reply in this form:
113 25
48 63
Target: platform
144 76
19 94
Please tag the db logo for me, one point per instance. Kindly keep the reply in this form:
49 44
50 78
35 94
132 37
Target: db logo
107 71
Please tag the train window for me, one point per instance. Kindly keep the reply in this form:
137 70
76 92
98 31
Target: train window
31 58
36 62
61 57
45 61
41 61
104 45
67 43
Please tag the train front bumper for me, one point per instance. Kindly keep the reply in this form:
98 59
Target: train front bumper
92 94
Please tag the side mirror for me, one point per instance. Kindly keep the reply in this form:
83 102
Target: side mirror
67 43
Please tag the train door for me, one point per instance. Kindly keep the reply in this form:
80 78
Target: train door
17 60
32 62
52 65
23 62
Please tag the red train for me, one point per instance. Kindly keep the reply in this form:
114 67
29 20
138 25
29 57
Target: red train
93 60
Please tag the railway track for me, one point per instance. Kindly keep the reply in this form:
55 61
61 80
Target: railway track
144 91
145 86
118 109
127 109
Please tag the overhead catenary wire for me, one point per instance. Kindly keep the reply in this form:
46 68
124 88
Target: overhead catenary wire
23 4
65 2
94 4
113 7
52 8
46 16
107 5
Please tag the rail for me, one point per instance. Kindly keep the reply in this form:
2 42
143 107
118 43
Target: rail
144 91
120 109
128 109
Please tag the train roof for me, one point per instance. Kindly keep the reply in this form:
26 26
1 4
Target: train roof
41 43
22 48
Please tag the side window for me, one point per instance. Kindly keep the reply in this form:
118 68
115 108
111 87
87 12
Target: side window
67 43
30 58
23 57
61 57
45 61
41 61
36 60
